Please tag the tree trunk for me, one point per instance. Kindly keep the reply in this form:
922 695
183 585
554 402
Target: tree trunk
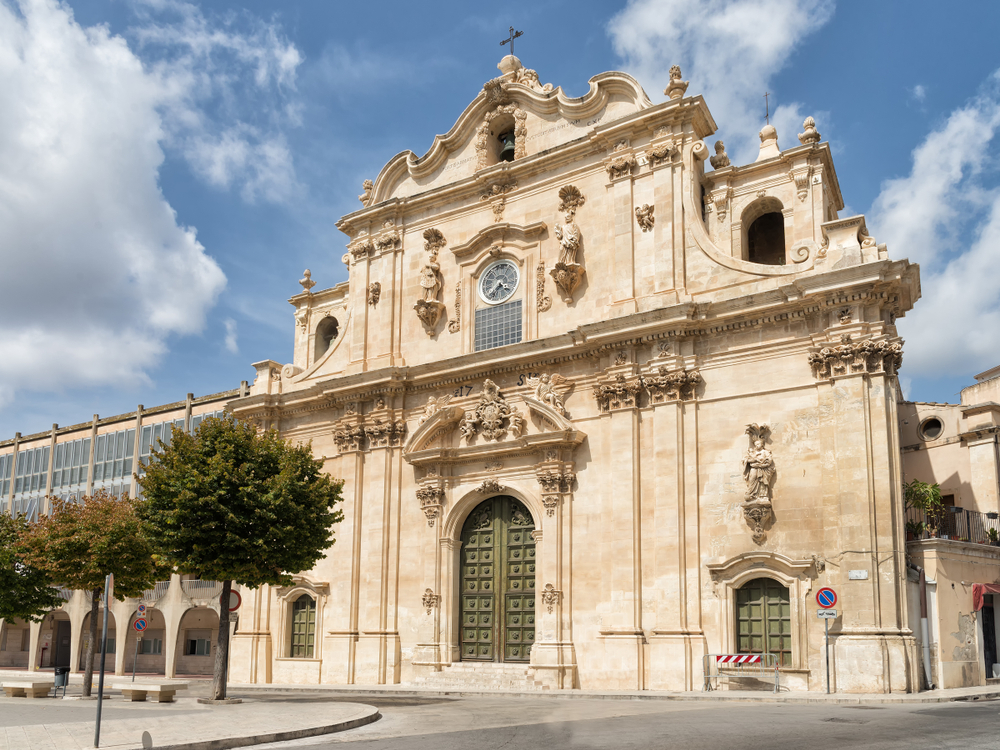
88 661
222 644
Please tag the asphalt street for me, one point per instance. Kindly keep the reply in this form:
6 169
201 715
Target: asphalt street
553 724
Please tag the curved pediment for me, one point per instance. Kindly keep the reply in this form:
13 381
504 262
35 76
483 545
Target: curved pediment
455 434
550 118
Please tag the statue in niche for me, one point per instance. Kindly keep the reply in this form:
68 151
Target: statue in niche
567 272
428 308
758 471
430 281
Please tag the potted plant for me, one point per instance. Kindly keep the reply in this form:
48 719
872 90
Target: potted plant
915 530
927 498
994 536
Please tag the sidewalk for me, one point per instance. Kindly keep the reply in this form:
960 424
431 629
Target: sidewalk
47 724
988 692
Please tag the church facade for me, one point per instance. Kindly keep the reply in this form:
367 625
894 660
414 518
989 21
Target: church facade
605 405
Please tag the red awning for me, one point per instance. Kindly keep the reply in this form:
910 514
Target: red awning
978 589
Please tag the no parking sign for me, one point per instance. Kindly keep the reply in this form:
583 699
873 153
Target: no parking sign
139 624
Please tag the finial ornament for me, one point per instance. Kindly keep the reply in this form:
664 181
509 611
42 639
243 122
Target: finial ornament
306 281
676 88
721 158
811 135
368 186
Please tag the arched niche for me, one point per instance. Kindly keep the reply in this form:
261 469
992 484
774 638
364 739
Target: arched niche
763 232
326 334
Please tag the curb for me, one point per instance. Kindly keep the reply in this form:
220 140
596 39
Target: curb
260 739
842 699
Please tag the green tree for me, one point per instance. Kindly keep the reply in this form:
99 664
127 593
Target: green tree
80 544
26 592
927 498
231 504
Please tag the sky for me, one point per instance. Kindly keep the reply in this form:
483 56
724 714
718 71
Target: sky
169 168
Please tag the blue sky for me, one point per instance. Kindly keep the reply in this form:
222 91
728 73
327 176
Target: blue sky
168 168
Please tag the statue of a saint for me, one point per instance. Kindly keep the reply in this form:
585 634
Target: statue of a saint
430 281
569 239
758 469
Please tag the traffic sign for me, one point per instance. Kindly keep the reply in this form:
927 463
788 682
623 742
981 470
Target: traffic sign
239 600
141 609
826 614
826 597
139 624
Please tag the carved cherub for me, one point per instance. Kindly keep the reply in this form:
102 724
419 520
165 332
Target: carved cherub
545 390
469 425
368 186
433 406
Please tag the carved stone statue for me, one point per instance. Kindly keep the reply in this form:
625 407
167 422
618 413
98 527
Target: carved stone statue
546 390
758 471
430 281
567 272
644 215
433 406
368 186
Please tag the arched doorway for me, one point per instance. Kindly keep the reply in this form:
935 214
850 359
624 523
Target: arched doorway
498 582
764 621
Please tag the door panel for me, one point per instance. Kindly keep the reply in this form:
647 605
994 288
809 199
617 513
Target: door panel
498 569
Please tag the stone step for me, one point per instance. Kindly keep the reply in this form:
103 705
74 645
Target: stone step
482 676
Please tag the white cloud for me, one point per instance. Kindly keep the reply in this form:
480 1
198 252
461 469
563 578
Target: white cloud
97 273
230 342
945 216
728 49
919 93
229 93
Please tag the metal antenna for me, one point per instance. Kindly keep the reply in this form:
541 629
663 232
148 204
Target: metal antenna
513 35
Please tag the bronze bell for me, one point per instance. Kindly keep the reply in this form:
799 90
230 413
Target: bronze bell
507 150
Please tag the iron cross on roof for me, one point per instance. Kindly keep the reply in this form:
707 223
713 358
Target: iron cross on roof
513 35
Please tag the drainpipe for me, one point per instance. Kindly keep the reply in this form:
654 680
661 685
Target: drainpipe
924 636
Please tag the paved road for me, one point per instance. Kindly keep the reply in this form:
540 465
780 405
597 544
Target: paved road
493 723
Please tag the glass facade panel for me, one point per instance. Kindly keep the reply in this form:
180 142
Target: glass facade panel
70 466
31 472
113 462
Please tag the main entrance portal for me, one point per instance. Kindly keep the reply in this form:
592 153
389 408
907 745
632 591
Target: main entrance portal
498 582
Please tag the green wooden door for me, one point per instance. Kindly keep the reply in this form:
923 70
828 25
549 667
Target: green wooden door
763 613
498 582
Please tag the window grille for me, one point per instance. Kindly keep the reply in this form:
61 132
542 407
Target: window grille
499 325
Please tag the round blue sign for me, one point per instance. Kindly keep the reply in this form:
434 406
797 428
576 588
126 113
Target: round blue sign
826 598
139 625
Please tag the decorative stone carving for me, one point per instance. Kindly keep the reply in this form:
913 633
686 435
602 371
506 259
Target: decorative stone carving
801 180
302 318
679 385
849 357
568 273
492 417
676 88
644 216
620 393
430 600
434 241
547 390
844 316
622 165
550 596
374 293
493 465
621 358
497 196
368 186
387 240
758 471
455 325
867 241
433 406
811 135
542 303
489 486
362 250
382 434
720 199
528 77
721 158
430 498
661 154
496 91
348 438
307 282
554 482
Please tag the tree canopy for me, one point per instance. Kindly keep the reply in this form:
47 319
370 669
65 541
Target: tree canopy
231 504
80 544
26 591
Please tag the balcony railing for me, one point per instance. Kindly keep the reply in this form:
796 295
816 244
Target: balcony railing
202 589
953 523
156 593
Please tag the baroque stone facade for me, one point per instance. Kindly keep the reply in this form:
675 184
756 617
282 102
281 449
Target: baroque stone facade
616 436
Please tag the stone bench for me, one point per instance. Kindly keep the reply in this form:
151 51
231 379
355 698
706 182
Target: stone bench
137 691
28 688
